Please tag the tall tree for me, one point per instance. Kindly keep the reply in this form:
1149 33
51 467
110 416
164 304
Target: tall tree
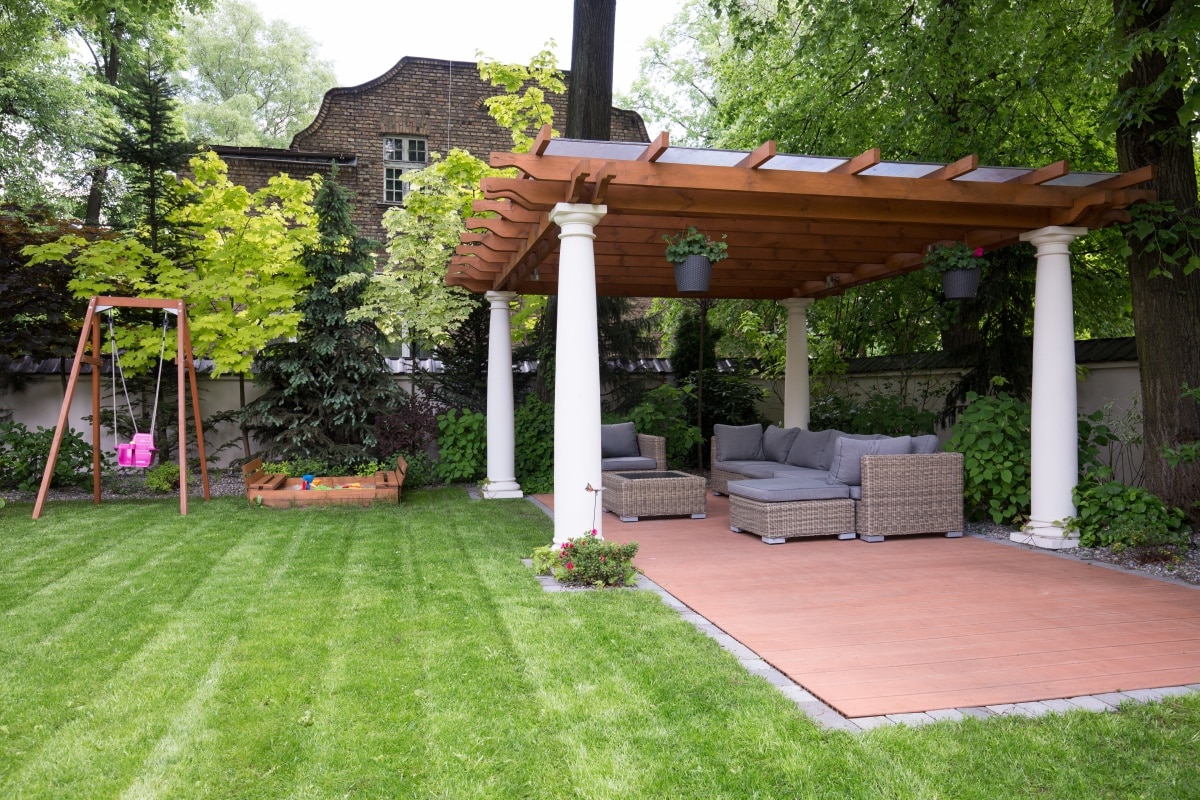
324 390
251 83
1158 111
589 105
148 141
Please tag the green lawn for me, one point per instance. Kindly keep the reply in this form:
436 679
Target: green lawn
406 652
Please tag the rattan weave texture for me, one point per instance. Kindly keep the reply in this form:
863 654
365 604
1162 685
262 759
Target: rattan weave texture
787 520
673 494
910 494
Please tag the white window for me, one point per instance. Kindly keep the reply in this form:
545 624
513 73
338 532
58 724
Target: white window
400 155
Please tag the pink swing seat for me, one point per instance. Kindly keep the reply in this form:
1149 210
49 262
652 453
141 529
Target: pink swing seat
138 453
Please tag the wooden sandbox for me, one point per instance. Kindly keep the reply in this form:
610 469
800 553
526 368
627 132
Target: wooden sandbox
280 491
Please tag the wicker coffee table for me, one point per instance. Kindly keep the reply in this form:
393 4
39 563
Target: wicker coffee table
631 495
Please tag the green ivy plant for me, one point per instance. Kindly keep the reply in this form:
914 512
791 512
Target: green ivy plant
588 560
462 443
992 433
1111 514
692 242
534 422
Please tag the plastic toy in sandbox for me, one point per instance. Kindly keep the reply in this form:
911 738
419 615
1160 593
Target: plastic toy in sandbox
280 491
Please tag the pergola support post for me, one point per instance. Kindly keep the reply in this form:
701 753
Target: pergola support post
796 399
577 507
1054 461
501 427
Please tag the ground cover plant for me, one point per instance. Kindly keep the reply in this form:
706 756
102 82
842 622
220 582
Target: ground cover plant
405 651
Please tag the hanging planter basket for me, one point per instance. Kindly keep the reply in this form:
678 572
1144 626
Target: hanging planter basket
692 275
960 284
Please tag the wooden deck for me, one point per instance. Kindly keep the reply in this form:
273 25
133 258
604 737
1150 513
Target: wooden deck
924 623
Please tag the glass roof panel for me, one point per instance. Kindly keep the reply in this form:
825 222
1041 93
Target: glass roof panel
582 148
994 174
1081 179
901 169
803 163
701 156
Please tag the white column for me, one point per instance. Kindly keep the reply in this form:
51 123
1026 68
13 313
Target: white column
1054 465
577 376
796 400
501 435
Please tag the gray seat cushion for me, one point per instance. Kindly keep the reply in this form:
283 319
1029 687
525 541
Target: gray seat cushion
807 449
782 490
737 466
619 440
788 471
925 445
759 469
738 442
848 452
627 463
776 442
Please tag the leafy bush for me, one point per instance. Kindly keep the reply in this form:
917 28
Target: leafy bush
422 471
588 560
411 429
163 478
299 467
23 455
664 413
462 445
1111 514
876 413
535 445
992 433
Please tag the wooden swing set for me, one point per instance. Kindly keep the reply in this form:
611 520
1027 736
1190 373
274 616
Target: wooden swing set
138 452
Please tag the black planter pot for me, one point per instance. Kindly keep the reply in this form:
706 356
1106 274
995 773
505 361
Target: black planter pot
960 284
692 275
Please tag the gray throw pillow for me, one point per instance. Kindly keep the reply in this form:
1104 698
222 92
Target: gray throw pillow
619 440
807 449
777 442
738 442
925 445
826 456
847 456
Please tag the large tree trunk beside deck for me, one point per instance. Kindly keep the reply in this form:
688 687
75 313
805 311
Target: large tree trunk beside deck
1166 310
589 104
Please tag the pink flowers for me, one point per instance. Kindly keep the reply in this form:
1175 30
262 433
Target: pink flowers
570 565
979 252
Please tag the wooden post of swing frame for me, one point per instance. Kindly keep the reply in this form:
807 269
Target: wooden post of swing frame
185 367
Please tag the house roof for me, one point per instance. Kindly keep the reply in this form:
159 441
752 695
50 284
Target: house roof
797 225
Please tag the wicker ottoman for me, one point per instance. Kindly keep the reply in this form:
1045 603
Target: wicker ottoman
778 509
631 495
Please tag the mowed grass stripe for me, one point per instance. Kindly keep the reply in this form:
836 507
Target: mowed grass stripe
37 555
114 727
259 718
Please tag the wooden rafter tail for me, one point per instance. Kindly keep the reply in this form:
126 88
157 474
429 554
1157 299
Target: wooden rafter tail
860 163
1127 179
542 140
758 156
949 172
655 150
1043 174
604 177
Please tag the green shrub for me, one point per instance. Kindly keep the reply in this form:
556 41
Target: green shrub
462 445
992 433
1111 514
299 467
422 471
876 413
163 478
664 412
23 455
588 560
535 446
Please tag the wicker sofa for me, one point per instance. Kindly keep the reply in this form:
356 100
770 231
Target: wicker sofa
786 483
623 449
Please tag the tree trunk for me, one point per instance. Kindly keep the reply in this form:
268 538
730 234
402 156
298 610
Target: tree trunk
1166 310
110 72
589 102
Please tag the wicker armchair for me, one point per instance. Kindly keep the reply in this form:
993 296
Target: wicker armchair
910 494
654 447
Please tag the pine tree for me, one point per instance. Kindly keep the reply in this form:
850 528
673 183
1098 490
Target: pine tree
325 389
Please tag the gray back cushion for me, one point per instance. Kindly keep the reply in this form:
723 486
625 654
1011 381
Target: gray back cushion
738 442
847 456
925 445
808 448
619 440
777 442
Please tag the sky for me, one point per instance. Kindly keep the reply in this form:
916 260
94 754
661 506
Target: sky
364 38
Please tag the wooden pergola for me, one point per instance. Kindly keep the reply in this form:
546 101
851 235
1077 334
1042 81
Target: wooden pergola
797 226
587 218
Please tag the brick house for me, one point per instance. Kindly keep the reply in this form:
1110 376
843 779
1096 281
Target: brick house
377 131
